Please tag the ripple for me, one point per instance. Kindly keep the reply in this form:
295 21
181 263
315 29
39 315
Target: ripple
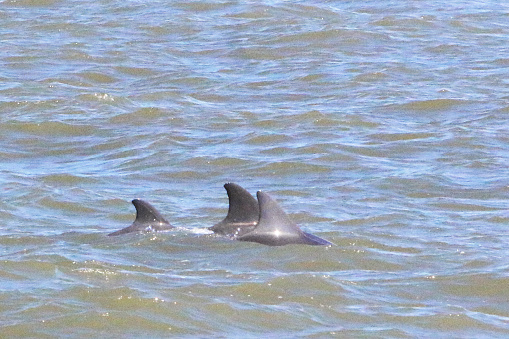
433 105
382 127
51 128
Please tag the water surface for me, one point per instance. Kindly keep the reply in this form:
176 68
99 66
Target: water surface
380 126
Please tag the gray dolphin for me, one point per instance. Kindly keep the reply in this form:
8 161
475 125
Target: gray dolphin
147 219
275 228
242 214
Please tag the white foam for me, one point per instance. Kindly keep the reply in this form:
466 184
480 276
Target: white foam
200 231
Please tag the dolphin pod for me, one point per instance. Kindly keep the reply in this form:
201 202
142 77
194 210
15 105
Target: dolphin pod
248 219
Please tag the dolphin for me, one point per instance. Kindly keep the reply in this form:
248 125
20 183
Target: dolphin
242 214
275 228
147 219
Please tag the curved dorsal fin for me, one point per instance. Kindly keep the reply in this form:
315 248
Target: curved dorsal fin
272 217
146 213
275 227
147 219
243 206
242 212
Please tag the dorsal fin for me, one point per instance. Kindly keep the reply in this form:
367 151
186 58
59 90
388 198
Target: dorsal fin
147 219
242 212
243 206
146 213
272 216
273 219
275 227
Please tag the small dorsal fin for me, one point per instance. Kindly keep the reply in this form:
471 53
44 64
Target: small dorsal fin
275 227
147 219
242 212
146 213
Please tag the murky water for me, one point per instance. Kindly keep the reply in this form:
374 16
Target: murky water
382 126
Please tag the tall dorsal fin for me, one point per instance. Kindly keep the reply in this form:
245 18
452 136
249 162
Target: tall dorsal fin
146 213
147 219
275 227
242 212
243 206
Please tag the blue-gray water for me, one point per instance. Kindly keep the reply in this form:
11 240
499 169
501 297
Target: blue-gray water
382 126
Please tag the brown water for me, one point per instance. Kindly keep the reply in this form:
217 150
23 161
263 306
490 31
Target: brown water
380 126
